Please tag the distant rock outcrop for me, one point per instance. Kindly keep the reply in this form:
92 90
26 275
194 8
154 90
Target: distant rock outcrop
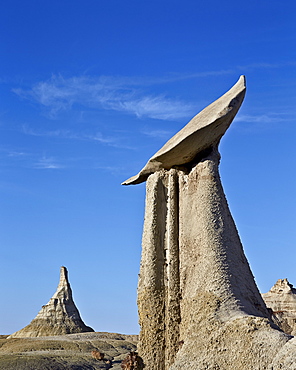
60 315
281 299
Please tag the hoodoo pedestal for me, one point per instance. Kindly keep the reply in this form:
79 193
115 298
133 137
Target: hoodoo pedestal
199 306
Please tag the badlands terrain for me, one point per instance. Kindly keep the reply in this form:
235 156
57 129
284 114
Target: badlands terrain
65 352
58 339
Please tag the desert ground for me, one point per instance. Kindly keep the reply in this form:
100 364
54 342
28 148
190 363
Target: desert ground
63 352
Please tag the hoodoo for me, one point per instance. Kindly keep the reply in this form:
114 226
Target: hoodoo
199 306
59 316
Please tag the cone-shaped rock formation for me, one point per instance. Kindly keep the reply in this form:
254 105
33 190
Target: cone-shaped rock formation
282 300
199 306
59 316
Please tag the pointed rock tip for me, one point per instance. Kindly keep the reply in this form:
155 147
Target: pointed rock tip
202 132
281 286
242 80
63 273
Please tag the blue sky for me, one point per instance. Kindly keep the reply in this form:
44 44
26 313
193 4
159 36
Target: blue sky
89 91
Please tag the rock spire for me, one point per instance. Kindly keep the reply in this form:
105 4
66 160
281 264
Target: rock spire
199 306
59 316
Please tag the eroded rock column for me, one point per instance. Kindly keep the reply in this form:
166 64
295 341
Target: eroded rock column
172 270
158 289
151 287
199 306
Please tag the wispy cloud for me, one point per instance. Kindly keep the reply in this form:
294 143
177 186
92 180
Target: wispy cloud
261 118
265 65
124 94
67 134
114 170
12 154
59 94
16 154
28 159
158 134
235 70
47 163
173 77
158 107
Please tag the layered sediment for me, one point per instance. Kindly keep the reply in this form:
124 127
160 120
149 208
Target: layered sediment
281 299
59 316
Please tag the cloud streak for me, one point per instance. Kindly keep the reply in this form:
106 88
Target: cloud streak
47 163
28 159
70 135
261 118
122 94
158 134
59 94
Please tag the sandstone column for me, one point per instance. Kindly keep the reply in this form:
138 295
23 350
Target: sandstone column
159 289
